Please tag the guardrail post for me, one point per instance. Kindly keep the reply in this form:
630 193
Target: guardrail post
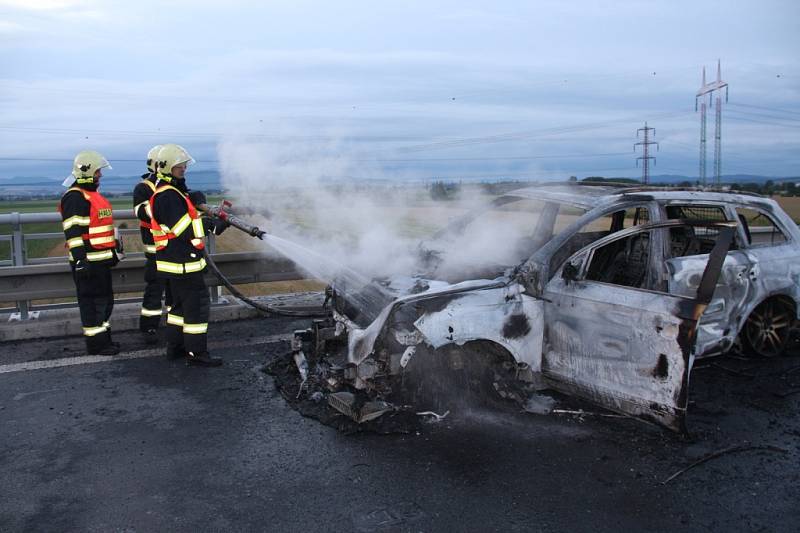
18 257
214 292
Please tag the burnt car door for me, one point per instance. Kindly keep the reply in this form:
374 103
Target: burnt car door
686 254
614 334
717 329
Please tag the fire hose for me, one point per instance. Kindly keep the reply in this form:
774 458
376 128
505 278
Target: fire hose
220 213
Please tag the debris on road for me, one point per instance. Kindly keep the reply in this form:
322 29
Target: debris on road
539 404
580 413
433 417
720 453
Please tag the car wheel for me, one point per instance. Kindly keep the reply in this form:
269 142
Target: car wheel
768 328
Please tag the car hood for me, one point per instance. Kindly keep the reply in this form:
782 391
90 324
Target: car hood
394 293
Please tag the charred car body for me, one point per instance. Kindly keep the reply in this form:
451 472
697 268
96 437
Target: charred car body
614 295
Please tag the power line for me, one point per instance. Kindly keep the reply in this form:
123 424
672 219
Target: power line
505 137
765 116
773 109
779 124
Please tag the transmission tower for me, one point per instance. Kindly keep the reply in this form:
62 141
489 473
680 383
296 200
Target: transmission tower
645 157
706 92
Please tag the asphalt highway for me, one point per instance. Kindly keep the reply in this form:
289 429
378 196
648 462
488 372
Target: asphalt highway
141 443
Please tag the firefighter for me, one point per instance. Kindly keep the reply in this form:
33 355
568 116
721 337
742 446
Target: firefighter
155 287
88 224
178 232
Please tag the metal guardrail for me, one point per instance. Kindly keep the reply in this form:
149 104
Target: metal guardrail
24 279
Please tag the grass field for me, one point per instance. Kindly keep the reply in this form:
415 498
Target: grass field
417 221
229 241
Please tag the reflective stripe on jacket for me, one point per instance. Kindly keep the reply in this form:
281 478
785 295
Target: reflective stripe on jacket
147 205
173 255
98 238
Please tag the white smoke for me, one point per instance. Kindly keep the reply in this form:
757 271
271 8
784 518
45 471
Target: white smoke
332 205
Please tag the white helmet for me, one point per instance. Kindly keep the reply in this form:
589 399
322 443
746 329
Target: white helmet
86 163
152 157
170 155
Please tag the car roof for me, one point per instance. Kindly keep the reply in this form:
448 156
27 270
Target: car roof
589 196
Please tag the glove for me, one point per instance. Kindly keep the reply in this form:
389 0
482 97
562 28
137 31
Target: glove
219 225
197 198
119 246
83 269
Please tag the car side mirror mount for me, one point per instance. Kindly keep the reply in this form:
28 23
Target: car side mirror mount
569 273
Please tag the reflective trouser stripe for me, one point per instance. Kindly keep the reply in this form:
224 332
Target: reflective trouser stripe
174 320
151 312
91 332
180 268
99 256
74 243
106 325
195 329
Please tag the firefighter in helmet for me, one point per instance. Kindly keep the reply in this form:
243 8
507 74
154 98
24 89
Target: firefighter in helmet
178 233
155 287
94 247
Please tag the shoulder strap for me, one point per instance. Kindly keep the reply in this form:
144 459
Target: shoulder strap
83 193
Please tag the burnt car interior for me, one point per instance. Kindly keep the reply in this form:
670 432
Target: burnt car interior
617 253
622 262
687 240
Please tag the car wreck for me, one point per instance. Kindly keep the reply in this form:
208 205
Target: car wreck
612 296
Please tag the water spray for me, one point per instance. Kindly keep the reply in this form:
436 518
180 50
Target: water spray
220 213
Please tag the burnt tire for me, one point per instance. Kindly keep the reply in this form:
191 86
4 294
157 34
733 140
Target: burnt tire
770 327
458 377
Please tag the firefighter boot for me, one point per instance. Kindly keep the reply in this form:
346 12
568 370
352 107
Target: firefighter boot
101 345
202 359
175 351
150 336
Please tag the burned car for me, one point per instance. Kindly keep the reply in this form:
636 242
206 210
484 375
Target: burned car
611 295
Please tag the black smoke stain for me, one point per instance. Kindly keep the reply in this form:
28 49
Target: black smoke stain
516 326
436 304
662 367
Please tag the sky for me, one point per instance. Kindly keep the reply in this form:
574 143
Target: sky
399 90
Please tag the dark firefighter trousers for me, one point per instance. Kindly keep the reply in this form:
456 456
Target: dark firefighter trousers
155 288
95 302
187 321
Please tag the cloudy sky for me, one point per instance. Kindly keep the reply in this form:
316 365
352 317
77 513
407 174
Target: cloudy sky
412 89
